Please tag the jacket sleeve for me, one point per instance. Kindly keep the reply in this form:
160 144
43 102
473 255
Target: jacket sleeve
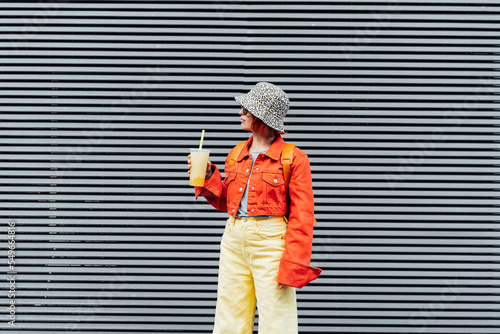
215 190
294 269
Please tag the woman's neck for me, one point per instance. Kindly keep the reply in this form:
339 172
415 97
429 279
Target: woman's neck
261 143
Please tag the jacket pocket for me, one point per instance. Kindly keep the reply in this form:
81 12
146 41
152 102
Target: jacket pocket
230 177
230 183
274 187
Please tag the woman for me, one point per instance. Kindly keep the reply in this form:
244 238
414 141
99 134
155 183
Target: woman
266 246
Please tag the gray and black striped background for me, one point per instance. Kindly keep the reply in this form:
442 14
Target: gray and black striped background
395 102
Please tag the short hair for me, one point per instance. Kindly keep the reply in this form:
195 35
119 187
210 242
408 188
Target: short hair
259 126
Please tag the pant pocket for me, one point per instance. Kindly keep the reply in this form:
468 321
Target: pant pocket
276 230
229 226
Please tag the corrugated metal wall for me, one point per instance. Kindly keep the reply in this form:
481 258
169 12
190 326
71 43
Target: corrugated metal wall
396 104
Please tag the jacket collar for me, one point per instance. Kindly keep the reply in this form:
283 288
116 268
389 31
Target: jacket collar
274 151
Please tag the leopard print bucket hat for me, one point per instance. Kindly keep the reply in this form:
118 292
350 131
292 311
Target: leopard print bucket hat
267 102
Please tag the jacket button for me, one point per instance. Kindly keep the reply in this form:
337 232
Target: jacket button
257 168
253 188
241 189
233 210
247 170
253 210
275 181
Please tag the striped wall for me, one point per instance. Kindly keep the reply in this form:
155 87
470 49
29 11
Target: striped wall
395 103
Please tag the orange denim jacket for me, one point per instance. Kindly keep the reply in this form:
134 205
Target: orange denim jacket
267 196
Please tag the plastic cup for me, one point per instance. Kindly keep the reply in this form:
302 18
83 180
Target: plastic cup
199 161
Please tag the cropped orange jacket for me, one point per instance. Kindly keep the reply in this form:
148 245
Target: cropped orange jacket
267 196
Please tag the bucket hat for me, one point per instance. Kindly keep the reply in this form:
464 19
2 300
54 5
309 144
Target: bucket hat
267 102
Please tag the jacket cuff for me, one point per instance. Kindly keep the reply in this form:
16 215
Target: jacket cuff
212 185
198 191
296 274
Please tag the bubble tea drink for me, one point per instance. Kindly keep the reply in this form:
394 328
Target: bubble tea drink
199 161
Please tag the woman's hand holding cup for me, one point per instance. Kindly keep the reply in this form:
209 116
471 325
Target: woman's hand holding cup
209 171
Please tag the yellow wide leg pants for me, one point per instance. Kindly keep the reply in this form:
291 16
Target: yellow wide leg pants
251 250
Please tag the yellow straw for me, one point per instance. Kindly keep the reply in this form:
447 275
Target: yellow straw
202 136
